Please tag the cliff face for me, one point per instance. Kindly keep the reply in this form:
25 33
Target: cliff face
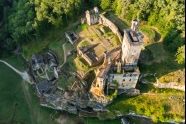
172 85
158 84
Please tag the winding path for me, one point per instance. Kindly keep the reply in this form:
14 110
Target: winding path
64 55
24 75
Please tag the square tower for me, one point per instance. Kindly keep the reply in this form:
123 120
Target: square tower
92 16
131 46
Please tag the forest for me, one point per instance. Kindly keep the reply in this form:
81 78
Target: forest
21 21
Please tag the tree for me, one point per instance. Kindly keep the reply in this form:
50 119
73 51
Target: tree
180 55
105 4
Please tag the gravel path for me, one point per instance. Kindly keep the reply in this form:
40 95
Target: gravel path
63 46
24 75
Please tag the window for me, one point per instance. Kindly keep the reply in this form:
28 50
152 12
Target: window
130 75
134 74
124 75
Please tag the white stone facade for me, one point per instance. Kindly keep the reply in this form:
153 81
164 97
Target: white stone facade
125 81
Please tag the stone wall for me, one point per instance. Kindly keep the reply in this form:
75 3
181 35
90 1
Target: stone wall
104 21
172 85
90 62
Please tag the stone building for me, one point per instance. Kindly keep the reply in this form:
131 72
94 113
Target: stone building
120 66
71 36
126 70
125 80
92 16
37 64
90 57
131 46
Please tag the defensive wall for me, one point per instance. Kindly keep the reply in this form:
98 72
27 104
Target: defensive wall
106 22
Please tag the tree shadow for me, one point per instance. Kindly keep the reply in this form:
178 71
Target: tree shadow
157 36
155 59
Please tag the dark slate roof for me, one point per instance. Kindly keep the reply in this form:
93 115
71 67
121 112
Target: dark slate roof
36 61
91 57
43 86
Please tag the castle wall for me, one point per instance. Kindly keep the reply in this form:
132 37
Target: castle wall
104 21
90 62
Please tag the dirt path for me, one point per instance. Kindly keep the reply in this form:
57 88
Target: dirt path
27 97
24 75
63 46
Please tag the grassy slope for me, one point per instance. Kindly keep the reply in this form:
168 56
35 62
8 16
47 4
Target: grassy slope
56 47
12 93
28 110
157 104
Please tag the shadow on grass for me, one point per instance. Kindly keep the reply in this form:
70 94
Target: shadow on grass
157 36
117 21
156 60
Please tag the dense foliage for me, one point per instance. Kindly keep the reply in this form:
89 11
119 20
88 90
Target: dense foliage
167 15
180 55
23 20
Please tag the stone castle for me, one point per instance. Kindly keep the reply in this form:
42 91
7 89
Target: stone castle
118 71
119 68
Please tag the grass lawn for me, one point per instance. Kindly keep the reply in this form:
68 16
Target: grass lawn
158 52
12 100
36 46
147 31
81 27
16 105
167 70
150 79
56 47
83 43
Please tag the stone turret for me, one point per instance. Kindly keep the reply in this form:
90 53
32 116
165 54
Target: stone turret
134 25
92 16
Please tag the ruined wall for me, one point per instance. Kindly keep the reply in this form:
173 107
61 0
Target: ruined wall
90 62
91 18
104 21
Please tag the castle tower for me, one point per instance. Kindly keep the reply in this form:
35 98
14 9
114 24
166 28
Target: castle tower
87 13
134 25
131 46
92 16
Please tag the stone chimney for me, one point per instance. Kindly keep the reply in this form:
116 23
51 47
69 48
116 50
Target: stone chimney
134 25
